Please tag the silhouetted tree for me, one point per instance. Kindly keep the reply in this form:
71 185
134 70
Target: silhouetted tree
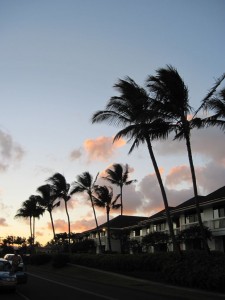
104 198
118 175
85 183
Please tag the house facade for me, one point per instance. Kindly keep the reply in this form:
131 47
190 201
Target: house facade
184 216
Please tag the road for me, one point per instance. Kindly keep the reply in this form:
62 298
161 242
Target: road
81 283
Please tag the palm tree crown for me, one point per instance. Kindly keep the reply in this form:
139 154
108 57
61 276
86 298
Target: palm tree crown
119 176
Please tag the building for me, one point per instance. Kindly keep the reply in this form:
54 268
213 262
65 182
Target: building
184 216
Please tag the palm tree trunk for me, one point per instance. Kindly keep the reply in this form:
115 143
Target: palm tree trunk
33 230
96 222
31 233
108 229
68 218
168 217
121 197
204 239
53 228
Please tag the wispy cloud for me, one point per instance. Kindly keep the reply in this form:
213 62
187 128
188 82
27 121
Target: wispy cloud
10 152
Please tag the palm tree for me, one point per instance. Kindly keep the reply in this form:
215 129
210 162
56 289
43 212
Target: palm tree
85 183
104 198
47 201
133 111
119 177
171 95
217 104
61 190
31 209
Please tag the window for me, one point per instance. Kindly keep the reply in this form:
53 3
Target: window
159 226
192 218
218 212
137 232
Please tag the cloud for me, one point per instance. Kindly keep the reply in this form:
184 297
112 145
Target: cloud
3 222
153 200
178 175
10 152
208 143
102 148
75 154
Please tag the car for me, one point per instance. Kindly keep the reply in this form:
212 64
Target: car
20 270
8 281
10 256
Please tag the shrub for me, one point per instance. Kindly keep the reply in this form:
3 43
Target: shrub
60 260
40 259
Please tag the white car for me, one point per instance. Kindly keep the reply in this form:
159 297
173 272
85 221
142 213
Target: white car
7 280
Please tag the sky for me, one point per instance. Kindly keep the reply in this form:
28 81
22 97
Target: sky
59 60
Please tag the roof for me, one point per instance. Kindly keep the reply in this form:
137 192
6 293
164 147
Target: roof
220 193
190 202
123 221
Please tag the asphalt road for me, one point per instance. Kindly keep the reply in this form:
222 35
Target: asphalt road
84 284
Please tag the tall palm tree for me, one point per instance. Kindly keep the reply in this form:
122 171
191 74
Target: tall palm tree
119 176
172 100
31 209
85 183
47 201
133 111
104 198
61 189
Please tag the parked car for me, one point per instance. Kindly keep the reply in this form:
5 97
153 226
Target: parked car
7 279
20 271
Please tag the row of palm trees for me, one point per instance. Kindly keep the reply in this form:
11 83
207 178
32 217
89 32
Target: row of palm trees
57 189
145 115
152 113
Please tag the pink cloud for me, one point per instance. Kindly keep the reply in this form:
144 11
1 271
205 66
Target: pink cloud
178 175
102 148
3 222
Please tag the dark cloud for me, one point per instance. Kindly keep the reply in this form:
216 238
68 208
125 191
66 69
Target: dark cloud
75 154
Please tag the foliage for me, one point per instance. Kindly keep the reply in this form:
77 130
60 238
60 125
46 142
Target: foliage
85 246
40 259
193 233
60 260
195 269
154 238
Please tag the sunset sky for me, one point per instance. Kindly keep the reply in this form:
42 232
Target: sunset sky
59 60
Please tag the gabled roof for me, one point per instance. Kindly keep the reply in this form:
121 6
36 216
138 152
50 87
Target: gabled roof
220 193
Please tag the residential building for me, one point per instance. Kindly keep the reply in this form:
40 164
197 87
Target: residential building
184 216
